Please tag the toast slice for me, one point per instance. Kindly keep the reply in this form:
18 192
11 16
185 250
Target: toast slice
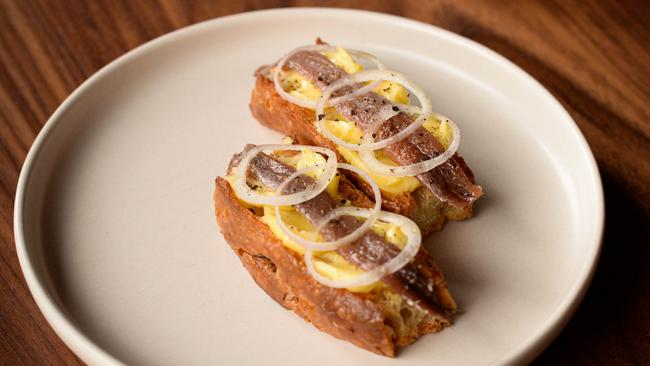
379 321
421 206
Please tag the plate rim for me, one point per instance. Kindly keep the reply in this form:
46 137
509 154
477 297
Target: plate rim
92 353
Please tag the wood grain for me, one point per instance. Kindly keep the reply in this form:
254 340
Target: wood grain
593 56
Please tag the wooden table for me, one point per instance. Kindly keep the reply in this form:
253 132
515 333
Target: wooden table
593 56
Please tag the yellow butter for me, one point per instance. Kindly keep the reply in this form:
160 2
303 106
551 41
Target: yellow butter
394 92
298 86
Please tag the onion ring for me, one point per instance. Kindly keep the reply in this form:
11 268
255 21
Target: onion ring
413 243
370 160
370 75
247 194
319 48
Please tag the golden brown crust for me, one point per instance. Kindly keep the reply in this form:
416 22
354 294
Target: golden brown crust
274 112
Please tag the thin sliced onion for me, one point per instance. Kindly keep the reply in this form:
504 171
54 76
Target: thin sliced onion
376 166
247 194
319 48
373 75
414 237
341 211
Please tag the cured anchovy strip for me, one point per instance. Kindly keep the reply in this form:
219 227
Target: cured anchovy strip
448 181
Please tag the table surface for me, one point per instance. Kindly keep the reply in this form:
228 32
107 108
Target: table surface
593 56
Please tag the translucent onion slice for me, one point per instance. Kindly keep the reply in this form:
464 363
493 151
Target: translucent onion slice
249 195
318 48
341 211
371 75
376 166
414 238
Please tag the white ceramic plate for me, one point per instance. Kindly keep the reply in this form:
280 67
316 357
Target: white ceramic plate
116 233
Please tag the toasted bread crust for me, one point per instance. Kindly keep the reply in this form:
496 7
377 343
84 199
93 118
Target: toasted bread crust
274 112
354 317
